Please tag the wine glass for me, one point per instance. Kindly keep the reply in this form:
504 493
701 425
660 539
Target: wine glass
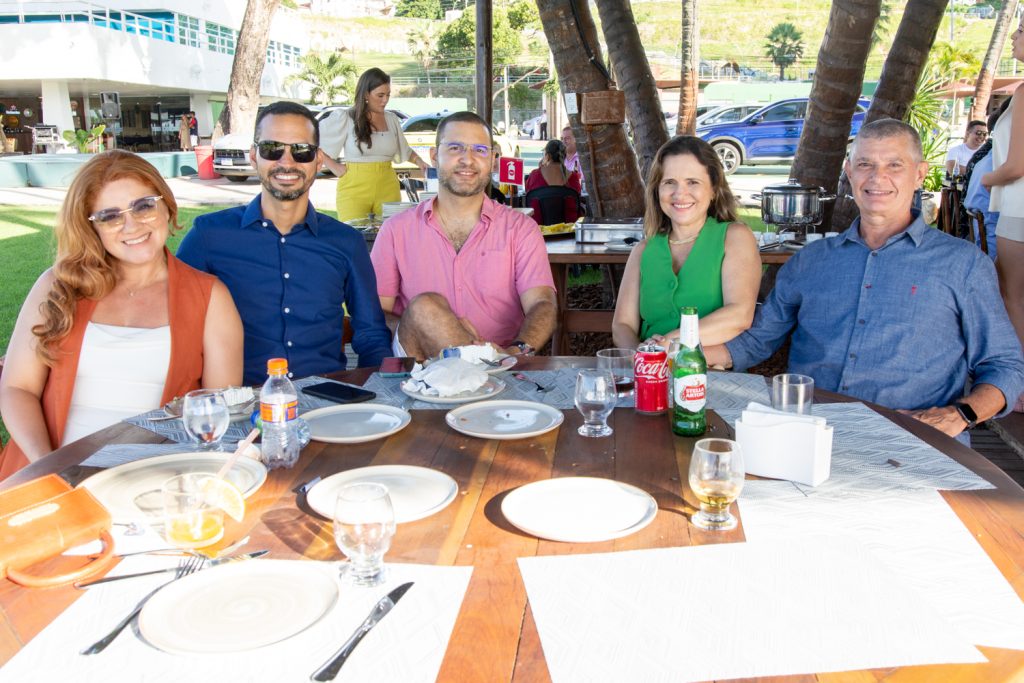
206 417
620 362
716 478
364 523
596 397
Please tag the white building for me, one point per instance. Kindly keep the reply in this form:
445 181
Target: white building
162 57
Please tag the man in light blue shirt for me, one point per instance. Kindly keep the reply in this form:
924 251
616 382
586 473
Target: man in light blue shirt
978 198
891 311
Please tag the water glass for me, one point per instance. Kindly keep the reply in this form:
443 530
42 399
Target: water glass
206 417
620 362
716 478
595 399
364 523
793 393
190 520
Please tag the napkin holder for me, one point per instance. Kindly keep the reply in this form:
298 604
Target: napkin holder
40 520
787 446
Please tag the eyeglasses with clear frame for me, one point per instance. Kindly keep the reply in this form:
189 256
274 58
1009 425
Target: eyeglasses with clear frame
457 149
143 210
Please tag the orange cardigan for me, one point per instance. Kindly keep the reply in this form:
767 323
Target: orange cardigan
188 299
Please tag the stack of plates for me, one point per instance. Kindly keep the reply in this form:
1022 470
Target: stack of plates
389 209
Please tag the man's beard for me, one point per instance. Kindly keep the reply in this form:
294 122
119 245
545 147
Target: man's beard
282 195
446 180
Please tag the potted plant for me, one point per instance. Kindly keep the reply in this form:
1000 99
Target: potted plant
81 138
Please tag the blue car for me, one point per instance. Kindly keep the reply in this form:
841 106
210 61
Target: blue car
768 136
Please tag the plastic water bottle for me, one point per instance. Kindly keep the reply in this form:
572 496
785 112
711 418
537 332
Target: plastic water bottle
279 410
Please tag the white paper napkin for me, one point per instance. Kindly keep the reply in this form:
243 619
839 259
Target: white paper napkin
730 611
473 353
407 645
447 377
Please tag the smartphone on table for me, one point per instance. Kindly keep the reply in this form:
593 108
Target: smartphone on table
339 393
397 366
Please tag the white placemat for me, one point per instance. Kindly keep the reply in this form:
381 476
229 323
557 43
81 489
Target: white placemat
914 533
730 611
407 645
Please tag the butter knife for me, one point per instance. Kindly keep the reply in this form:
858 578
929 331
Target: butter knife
329 670
211 563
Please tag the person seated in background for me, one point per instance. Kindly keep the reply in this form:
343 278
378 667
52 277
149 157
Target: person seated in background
572 157
958 155
118 325
552 173
494 187
460 268
891 310
695 253
292 270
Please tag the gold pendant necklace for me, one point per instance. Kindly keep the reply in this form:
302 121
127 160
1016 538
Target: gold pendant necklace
686 241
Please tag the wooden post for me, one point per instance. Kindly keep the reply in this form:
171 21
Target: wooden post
484 60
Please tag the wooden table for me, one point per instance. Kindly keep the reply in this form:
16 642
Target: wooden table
495 637
565 251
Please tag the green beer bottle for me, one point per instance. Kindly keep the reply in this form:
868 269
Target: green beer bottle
689 378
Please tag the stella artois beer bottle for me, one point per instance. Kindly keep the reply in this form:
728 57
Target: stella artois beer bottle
689 378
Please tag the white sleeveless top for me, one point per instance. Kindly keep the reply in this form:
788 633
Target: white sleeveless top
1007 199
121 372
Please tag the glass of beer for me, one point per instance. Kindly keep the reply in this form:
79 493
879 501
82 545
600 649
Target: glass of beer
716 478
190 518
620 362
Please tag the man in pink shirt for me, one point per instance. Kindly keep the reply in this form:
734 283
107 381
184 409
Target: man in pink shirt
461 269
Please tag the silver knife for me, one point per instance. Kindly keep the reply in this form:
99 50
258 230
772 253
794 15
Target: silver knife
328 671
212 563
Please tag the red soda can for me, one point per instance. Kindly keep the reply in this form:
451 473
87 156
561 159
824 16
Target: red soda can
650 372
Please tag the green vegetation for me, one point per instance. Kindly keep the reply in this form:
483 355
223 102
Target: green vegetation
331 77
422 9
784 45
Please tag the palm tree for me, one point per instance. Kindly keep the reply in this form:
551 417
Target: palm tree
949 64
421 45
633 73
983 88
330 76
785 45
689 76
612 176
243 98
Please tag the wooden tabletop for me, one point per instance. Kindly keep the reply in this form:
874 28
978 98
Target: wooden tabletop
495 637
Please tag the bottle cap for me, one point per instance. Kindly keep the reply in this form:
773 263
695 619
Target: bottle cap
277 365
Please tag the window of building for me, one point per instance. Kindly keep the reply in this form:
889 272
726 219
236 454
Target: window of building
188 30
220 38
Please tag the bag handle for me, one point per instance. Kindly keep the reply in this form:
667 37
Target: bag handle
97 565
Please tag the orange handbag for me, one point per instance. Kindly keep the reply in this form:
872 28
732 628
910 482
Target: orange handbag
40 520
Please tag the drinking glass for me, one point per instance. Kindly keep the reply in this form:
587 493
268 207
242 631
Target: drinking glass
364 523
190 521
716 478
206 417
620 362
595 399
793 393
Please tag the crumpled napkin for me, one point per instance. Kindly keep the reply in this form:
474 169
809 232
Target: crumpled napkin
474 353
446 377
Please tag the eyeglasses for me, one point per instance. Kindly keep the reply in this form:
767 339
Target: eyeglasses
302 152
459 148
143 210
981 133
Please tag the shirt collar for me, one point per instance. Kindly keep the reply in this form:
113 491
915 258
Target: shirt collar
916 231
426 210
253 216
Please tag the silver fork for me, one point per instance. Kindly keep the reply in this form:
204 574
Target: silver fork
492 363
185 567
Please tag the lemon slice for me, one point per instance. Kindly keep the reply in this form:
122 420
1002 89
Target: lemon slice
226 496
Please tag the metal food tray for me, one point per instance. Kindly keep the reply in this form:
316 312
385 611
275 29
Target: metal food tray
604 230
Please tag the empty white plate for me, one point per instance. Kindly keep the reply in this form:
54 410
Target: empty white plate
356 422
492 387
238 606
504 419
579 509
416 492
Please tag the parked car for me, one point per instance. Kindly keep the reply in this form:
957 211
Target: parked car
768 136
729 112
529 127
421 133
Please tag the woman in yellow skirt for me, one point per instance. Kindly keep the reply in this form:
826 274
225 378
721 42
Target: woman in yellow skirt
360 145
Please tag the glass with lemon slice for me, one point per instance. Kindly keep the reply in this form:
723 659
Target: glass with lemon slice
194 509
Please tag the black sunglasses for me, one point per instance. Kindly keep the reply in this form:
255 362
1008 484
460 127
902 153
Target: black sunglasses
302 152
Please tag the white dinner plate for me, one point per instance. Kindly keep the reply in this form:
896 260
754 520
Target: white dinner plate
579 509
118 487
492 387
238 606
504 419
235 410
355 423
416 492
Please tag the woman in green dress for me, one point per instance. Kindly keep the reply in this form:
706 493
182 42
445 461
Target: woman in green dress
695 253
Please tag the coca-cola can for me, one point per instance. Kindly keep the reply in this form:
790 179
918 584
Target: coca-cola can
650 372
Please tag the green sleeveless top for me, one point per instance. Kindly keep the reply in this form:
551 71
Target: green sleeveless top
699 282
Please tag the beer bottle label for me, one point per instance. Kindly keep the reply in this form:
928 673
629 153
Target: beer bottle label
690 392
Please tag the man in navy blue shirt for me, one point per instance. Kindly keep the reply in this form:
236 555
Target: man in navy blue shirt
289 268
892 311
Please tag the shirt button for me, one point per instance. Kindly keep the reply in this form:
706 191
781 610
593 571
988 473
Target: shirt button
289 343
282 240
264 224
874 253
286 276
861 321
287 310
853 356
290 375
846 387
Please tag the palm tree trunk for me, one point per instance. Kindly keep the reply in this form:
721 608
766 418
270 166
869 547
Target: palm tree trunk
243 98
900 73
633 73
838 79
612 176
689 77
983 88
